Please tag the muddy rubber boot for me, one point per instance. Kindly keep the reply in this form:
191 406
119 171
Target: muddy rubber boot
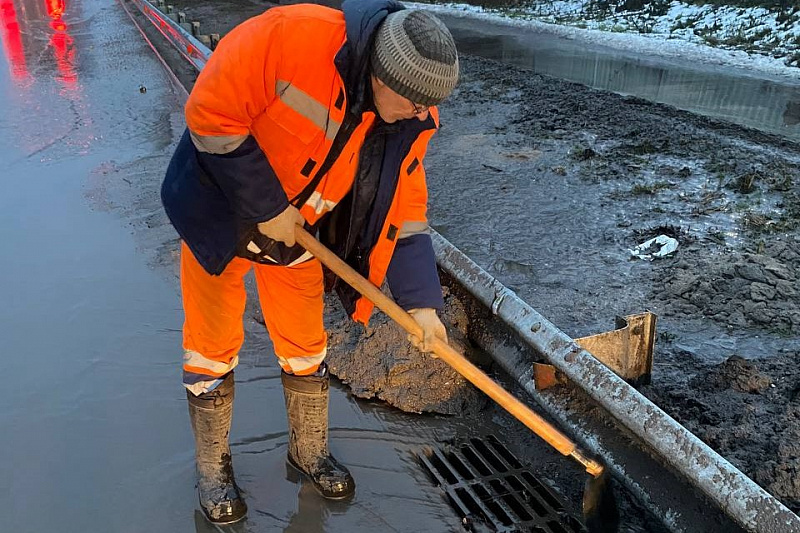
307 410
211 414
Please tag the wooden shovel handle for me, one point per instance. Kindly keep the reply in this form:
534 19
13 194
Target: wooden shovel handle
459 363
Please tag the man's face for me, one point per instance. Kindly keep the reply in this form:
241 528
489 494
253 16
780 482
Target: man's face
393 107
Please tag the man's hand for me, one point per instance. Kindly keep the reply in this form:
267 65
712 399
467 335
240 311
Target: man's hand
432 328
281 227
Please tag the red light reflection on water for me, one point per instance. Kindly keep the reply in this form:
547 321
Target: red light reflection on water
62 43
11 38
65 57
55 8
43 58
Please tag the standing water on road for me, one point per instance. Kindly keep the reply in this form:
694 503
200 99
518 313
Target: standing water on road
95 434
91 419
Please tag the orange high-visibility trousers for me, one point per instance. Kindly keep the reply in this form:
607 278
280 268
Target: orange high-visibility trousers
213 332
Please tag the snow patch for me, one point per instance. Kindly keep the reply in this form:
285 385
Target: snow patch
725 36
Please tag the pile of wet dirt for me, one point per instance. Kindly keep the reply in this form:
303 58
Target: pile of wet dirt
749 290
748 411
382 364
737 374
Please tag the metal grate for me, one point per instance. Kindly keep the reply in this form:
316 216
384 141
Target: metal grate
492 490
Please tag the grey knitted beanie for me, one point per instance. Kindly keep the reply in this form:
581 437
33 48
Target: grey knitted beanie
414 54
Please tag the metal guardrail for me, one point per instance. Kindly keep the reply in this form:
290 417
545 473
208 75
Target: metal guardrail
192 49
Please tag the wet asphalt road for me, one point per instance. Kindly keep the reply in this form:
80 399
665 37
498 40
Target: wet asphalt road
95 431
87 327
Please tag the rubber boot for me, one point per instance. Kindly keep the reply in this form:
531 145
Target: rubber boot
211 414
307 410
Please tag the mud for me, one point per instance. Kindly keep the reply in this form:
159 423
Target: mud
750 290
380 363
577 178
612 172
750 412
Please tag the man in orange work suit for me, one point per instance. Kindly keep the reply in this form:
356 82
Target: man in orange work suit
313 116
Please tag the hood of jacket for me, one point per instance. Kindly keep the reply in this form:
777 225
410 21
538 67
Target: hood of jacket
362 18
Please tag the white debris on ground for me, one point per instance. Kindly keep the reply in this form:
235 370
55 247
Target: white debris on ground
655 248
773 36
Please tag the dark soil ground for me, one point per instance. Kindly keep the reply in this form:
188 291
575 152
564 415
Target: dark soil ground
579 177
548 185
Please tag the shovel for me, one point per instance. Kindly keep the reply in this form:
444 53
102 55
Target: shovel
599 505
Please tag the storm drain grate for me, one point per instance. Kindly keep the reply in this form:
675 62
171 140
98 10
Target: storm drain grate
487 483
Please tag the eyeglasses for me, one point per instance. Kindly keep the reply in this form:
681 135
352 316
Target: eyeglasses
419 109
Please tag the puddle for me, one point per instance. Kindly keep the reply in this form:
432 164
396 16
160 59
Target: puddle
96 434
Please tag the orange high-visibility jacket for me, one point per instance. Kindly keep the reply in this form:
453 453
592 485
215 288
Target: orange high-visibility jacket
280 114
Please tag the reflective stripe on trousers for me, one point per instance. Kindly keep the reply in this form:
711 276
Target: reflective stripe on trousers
291 300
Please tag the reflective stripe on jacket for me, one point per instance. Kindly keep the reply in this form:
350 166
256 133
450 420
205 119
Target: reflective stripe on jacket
286 96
